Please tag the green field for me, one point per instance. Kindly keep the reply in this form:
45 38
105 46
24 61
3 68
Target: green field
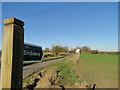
81 71
99 69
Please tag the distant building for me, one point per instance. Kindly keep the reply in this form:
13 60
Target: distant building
77 51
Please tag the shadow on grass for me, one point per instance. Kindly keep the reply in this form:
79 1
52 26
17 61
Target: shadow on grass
32 86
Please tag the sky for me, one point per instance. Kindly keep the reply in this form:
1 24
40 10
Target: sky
60 0
93 24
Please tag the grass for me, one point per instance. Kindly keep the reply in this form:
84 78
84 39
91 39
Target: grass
90 69
30 79
99 69
65 72
51 58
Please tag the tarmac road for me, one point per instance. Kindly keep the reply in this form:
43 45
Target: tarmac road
30 69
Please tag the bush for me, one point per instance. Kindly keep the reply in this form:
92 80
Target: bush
94 51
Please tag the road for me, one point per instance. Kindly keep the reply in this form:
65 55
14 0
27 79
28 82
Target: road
30 69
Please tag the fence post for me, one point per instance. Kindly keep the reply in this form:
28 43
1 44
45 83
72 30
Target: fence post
12 54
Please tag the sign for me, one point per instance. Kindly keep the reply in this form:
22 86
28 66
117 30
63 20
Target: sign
32 53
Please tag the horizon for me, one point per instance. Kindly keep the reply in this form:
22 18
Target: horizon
72 24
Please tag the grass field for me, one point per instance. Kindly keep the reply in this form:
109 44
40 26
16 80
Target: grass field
81 71
99 69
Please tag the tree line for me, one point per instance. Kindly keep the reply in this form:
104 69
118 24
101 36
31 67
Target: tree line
56 50
84 50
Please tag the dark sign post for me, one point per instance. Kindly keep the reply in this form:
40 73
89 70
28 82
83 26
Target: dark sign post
32 53
12 54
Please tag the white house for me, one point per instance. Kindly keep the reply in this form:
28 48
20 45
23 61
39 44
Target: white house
77 51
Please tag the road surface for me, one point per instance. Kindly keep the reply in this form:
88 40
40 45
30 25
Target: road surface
30 69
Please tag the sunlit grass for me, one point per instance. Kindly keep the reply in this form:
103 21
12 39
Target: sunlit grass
100 69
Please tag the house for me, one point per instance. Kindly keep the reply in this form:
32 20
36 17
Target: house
77 51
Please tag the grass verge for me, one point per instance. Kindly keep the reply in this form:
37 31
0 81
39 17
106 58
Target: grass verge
63 74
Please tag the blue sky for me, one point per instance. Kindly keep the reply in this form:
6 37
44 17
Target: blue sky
94 24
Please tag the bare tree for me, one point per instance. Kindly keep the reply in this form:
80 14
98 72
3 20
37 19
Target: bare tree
85 49
46 50
59 49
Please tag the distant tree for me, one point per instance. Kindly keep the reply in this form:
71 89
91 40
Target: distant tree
85 49
113 53
66 49
46 50
100 52
94 51
55 50
59 49
118 52
73 50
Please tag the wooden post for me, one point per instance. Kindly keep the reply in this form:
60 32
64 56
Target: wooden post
12 54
